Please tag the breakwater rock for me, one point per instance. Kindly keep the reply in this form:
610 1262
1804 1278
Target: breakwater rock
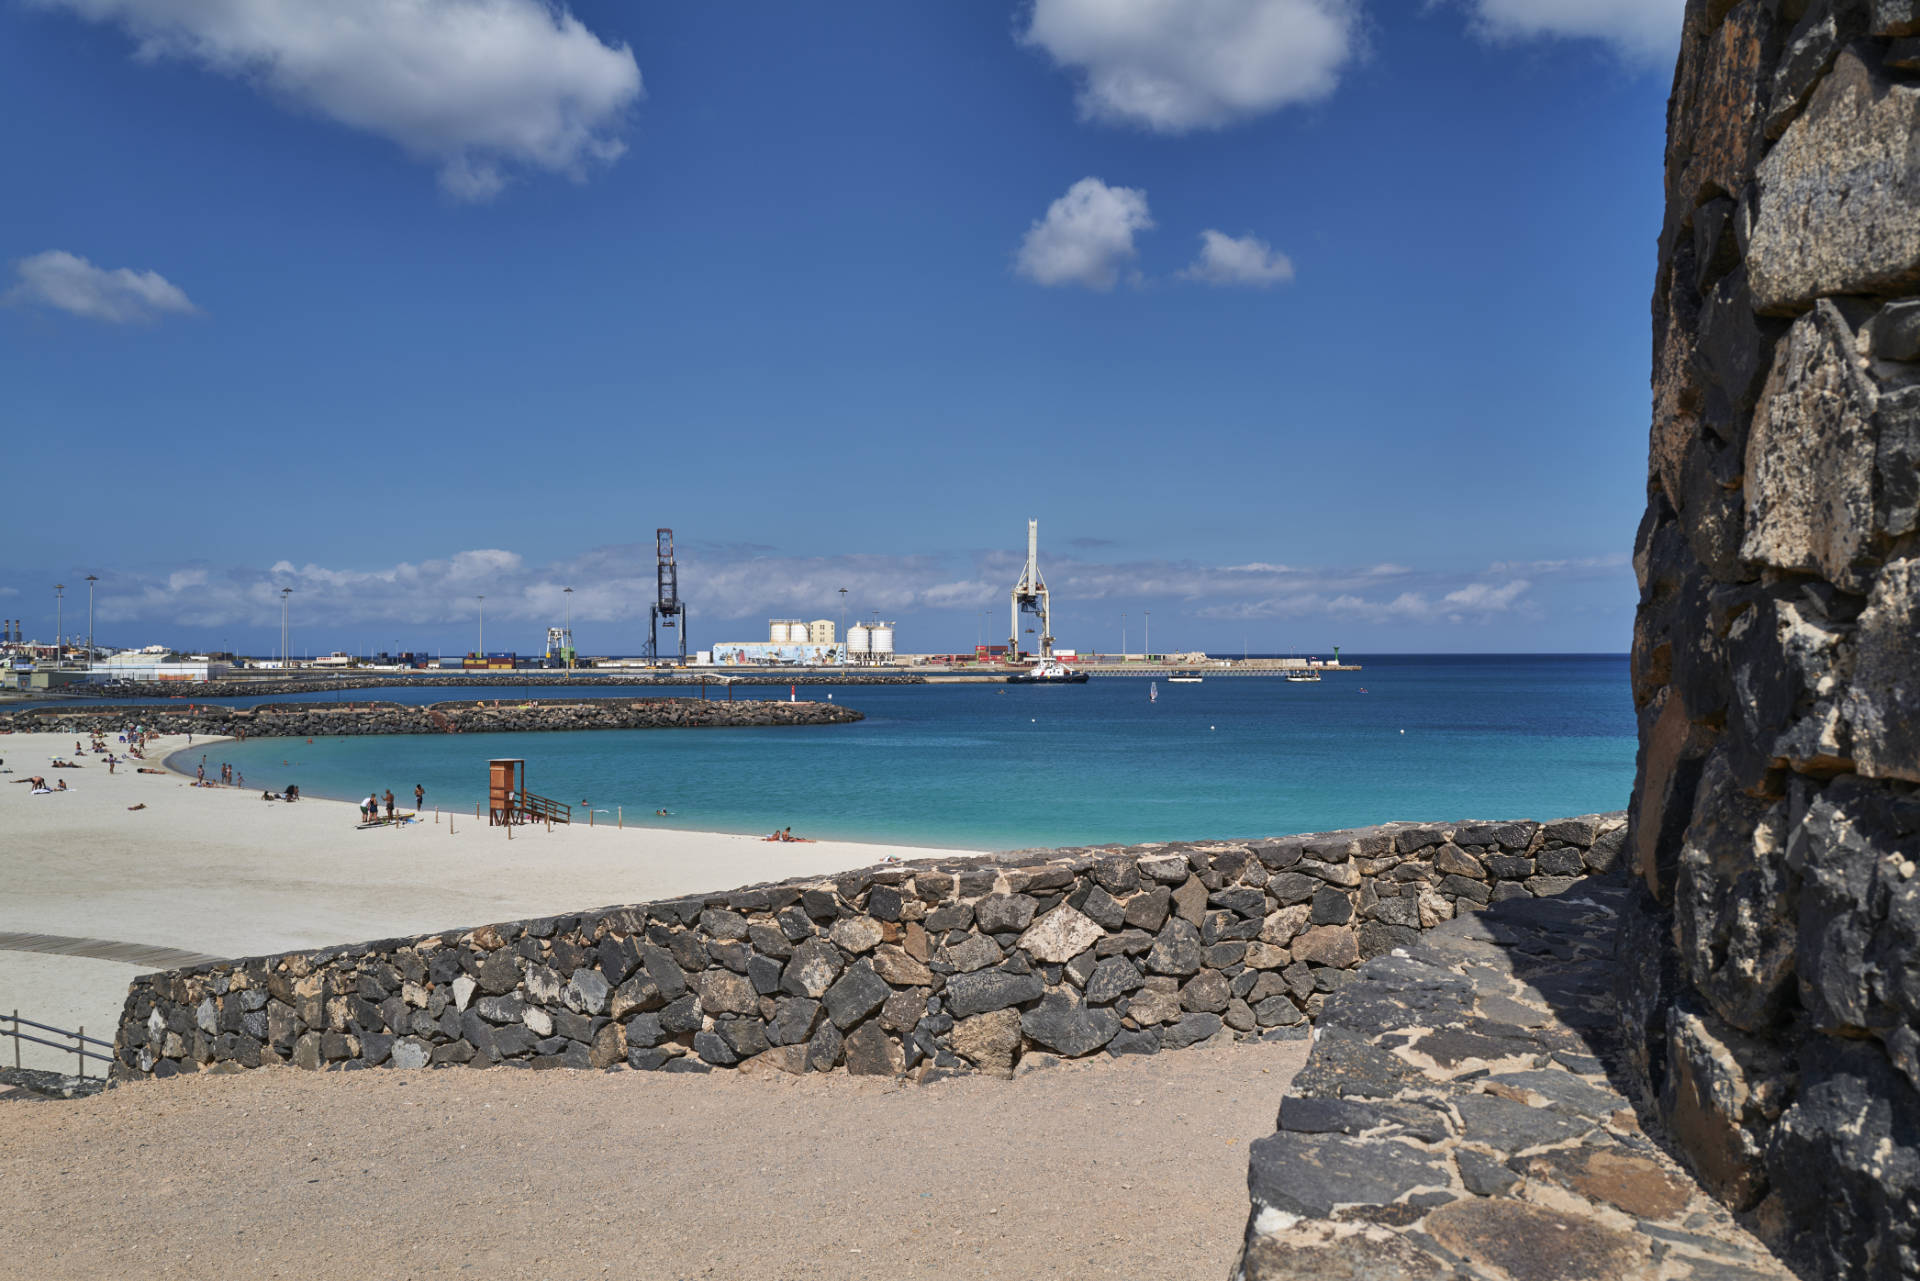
270 687
1462 1115
954 964
316 720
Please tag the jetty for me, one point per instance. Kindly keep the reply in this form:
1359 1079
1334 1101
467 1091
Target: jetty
478 716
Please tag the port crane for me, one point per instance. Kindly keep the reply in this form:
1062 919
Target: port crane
1030 596
667 610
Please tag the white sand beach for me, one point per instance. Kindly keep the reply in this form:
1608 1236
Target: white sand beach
222 872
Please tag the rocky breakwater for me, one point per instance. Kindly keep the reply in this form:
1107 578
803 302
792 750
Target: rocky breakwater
1770 957
1462 1115
331 720
950 964
267 687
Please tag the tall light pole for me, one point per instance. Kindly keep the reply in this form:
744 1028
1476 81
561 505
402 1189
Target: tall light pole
569 626
1146 642
843 615
59 593
91 580
1123 637
483 625
284 655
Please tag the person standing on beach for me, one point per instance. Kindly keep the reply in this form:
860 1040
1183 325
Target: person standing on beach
389 799
419 797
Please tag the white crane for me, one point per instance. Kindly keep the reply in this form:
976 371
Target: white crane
1030 595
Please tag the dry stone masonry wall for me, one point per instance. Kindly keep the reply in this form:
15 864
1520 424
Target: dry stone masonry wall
1770 960
956 964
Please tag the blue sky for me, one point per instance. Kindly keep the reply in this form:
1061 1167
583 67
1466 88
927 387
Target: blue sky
1297 322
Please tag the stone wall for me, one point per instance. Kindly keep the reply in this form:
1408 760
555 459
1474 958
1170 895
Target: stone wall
948 964
1770 963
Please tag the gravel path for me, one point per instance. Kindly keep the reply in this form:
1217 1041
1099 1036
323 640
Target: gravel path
1120 1168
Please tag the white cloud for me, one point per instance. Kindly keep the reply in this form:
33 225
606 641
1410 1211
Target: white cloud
68 282
1086 237
1645 31
476 87
732 590
1175 65
1246 260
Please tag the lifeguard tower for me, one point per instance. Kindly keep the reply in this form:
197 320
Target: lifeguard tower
509 801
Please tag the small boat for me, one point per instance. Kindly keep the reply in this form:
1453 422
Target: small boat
1048 672
1303 678
1184 678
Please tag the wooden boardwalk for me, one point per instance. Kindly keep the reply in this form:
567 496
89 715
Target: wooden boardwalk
157 958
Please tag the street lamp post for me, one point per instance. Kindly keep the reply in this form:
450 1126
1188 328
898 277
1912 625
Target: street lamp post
1146 642
1123 638
483 625
91 580
284 593
568 624
59 593
843 615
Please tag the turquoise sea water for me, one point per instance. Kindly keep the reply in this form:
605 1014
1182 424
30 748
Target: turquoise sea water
992 766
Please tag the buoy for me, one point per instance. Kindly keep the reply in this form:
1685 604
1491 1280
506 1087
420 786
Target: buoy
1403 731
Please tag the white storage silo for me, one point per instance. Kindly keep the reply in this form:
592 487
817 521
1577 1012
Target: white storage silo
777 632
858 640
882 638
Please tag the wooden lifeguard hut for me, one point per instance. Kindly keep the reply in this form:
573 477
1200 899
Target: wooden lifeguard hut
509 801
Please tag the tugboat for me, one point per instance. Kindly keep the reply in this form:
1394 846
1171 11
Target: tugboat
1184 678
1303 677
1048 672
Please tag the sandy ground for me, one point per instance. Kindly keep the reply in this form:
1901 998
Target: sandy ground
220 871
1133 1167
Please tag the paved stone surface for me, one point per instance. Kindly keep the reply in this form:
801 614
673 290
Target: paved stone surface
1432 1136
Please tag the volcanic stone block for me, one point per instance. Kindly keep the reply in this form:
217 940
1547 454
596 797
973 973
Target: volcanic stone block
1331 907
858 993
871 1052
1069 1027
586 992
1148 909
892 963
990 1041
815 965
1176 950
1811 455
1205 992
990 990
1883 704
1112 979
1190 900
1333 945
724 992
1060 935
857 934
975 952
1834 211
794 1020
1189 1029
1004 913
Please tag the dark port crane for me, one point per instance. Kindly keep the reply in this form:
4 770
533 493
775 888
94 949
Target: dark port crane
668 610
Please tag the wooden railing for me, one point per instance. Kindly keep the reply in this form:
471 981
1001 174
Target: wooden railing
541 809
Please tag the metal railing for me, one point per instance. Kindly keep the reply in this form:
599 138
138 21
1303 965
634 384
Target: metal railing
79 1038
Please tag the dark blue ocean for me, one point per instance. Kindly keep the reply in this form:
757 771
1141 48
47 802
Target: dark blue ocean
998 767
